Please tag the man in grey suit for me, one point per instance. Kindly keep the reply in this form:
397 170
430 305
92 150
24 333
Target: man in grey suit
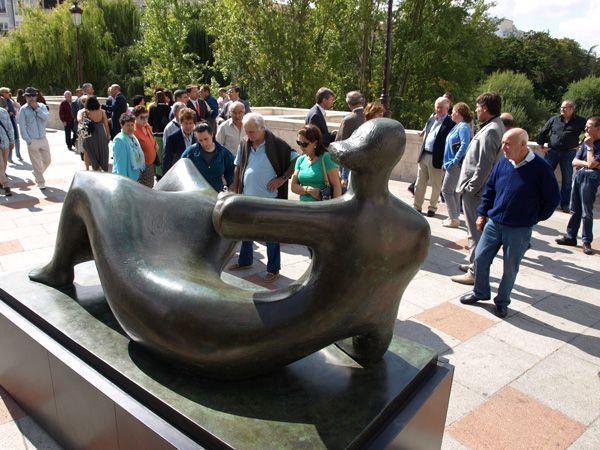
482 155
356 103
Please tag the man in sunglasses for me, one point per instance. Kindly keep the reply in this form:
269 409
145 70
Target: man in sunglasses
32 123
562 133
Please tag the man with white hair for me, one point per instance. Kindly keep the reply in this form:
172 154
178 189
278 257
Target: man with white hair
507 223
231 131
173 126
431 158
263 166
65 113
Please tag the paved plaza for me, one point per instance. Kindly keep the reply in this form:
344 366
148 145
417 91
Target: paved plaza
529 381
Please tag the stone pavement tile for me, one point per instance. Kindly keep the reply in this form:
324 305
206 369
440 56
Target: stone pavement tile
462 401
259 280
9 247
584 293
586 345
566 383
407 310
448 443
11 437
9 410
38 219
590 440
35 242
25 260
486 364
294 270
7 224
455 321
51 227
21 232
564 313
530 335
561 267
35 437
510 419
432 290
416 331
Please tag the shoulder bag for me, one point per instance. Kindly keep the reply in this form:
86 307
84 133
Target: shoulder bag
327 191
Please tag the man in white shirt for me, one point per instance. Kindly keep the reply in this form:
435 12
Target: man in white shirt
231 131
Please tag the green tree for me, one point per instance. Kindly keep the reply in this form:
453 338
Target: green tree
586 94
42 50
174 48
283 52
438 46
551 64
518 98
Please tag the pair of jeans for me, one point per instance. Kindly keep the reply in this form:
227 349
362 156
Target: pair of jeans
514 241
565 159
246 257
583 196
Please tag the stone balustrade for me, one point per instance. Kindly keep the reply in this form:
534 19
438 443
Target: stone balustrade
285 123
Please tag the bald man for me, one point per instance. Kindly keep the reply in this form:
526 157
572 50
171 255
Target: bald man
520 192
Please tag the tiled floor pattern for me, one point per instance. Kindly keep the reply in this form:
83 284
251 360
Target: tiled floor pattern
529 381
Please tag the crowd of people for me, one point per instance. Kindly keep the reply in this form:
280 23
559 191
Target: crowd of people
486 172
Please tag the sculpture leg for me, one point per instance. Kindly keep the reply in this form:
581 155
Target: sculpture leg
369 347
72 245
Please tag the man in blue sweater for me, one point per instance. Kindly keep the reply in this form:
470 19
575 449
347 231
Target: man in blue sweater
521 191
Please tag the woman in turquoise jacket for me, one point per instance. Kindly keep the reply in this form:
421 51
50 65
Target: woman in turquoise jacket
128 157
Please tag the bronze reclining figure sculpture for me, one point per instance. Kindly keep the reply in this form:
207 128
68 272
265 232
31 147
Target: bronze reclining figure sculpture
160 253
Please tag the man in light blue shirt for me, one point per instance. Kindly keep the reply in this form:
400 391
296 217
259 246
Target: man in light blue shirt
263 166
32 122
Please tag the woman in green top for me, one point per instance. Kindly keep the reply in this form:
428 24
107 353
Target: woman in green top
313 166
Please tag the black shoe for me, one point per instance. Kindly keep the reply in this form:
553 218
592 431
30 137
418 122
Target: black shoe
469 299
566 209
7 193
463 267
411 188
419 211
430 213
566 241
501 311
587 248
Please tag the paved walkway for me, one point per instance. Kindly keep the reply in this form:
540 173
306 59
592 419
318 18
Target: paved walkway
529 381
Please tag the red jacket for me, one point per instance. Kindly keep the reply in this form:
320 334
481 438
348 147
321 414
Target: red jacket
65 113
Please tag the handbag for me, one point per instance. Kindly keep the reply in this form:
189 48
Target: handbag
327 191
86 128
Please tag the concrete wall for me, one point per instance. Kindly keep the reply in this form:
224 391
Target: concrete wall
285 123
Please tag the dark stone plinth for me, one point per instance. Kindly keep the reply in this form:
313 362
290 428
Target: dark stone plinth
65 359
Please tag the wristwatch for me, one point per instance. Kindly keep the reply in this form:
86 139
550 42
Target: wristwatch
285 177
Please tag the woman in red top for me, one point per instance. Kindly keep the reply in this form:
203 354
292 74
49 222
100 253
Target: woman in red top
143 133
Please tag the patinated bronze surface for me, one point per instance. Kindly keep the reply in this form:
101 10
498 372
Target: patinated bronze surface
159 256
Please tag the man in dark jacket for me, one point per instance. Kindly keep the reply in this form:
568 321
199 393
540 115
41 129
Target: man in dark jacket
116 108
316 115
432 156
180 140
507 223
65 113
263 165
562 132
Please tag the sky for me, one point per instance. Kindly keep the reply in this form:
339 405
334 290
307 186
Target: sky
575 19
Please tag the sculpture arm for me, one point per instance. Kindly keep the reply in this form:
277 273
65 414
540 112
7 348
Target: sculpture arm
253 218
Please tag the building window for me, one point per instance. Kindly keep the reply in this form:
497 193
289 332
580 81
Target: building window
2 6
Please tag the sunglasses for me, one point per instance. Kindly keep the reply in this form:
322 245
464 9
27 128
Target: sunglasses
303 144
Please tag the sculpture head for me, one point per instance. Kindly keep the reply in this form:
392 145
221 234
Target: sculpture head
375 147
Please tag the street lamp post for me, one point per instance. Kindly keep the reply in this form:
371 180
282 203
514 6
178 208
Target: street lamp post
385 98
77 15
